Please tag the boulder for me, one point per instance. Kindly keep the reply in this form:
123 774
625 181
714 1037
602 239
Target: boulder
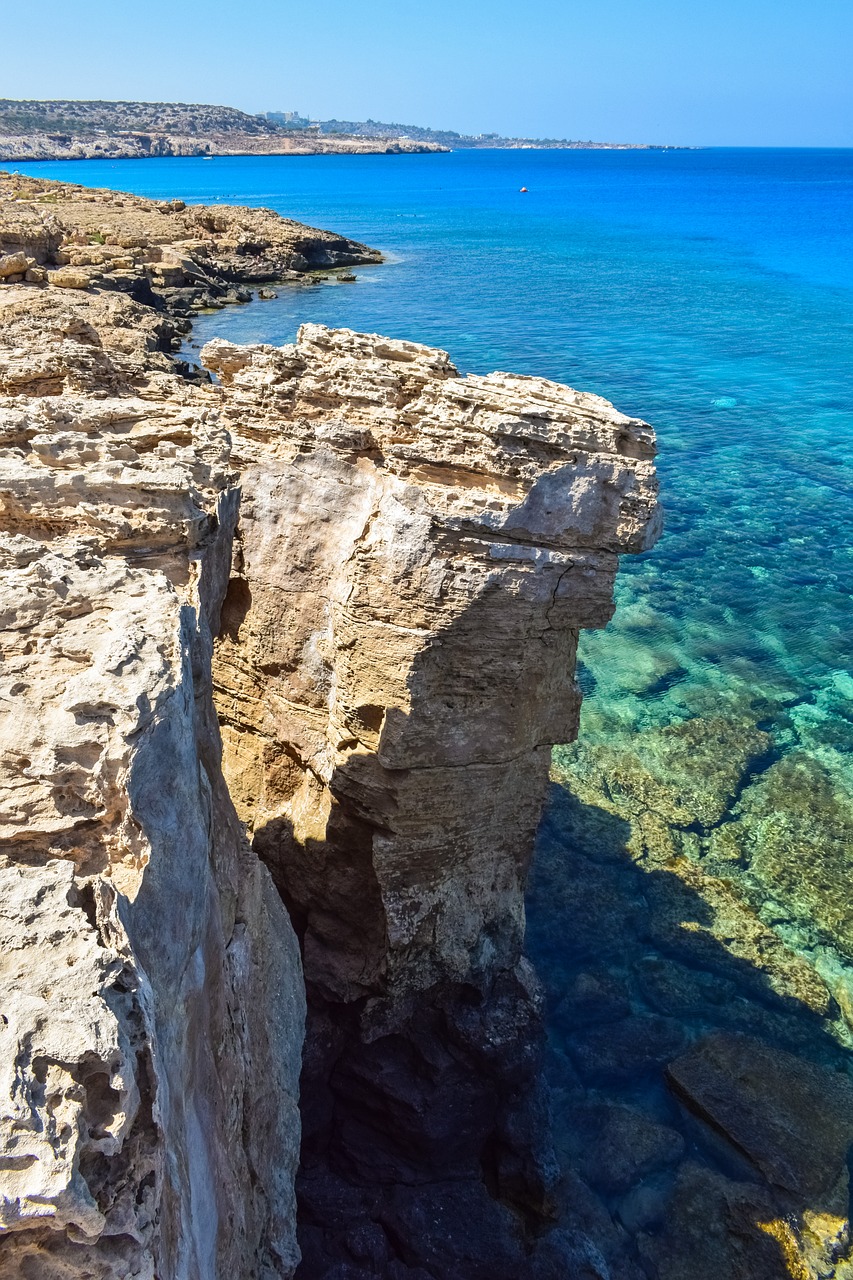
791 1119
13 264
70 278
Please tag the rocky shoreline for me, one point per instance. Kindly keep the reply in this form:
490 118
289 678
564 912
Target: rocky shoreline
271 643
173 257
144 146
72 130
286 653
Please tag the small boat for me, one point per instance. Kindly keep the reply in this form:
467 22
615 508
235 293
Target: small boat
523 188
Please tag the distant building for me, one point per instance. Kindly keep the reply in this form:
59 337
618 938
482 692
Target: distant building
287 119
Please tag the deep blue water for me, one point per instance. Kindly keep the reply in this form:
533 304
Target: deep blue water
710 292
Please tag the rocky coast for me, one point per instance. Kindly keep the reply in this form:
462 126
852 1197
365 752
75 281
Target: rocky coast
71 130
288 640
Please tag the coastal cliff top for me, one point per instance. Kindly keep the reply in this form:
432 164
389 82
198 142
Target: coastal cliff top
166 254
62 129
62 115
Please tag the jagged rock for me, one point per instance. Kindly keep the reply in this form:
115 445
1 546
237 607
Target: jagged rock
438 541
154 250
394 563
151 984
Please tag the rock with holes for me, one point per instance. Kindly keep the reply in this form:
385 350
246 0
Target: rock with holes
150 982
418 551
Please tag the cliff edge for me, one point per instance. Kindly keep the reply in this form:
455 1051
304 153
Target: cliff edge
285 655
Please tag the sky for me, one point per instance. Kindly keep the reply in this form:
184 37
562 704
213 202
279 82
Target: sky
702 72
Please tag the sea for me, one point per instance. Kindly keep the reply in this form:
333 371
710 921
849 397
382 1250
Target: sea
694 864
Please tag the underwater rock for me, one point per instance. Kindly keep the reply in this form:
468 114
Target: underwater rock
620 1145
715 1227
792 829
791 1119
686 773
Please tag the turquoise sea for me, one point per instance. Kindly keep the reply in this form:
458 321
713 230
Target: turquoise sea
694 864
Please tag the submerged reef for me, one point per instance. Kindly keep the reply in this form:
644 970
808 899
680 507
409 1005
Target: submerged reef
690 915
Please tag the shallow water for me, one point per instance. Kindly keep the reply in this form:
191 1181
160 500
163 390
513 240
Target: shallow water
710 292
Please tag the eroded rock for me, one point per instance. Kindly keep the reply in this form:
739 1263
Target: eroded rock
394 563
152 994
434 542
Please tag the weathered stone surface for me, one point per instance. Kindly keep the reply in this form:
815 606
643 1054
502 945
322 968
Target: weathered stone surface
13 264
394 563
434 542
155 250
71 278
151 984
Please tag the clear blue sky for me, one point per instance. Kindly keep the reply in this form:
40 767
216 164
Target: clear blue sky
724 72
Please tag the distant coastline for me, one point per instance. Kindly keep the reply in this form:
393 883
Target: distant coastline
71 130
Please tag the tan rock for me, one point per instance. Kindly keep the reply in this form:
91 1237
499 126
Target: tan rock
471 527
83 227
13 264
70 278
151 983
395 639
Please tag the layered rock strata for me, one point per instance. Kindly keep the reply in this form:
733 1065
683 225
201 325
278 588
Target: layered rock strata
174 257
152 999
142 146
378 570
417 552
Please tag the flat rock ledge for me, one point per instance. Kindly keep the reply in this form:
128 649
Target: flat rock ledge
284 657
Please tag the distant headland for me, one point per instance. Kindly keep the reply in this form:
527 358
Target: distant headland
72 130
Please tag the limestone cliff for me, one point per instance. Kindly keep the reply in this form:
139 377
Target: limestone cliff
151 990
56 129
417 552
329 605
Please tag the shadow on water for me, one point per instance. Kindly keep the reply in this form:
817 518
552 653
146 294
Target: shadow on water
703 1109
702 1106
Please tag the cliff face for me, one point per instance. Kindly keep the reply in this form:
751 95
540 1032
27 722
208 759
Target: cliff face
152 994
69 130
417 554
371 573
